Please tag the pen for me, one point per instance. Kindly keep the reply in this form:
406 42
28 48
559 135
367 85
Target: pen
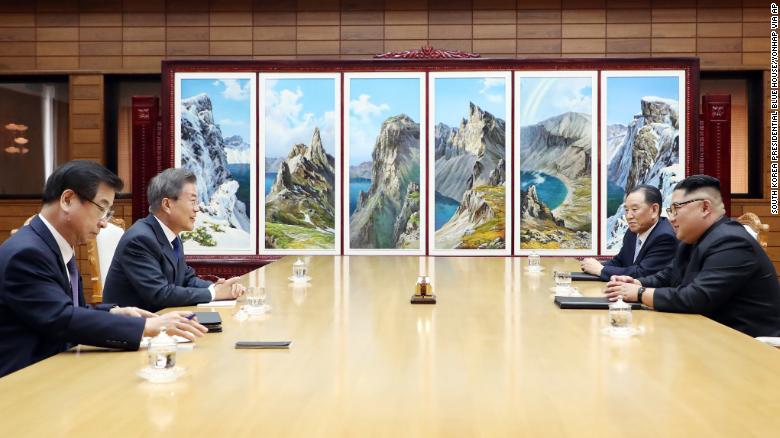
192 315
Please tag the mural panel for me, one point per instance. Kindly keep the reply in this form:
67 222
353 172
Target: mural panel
215 139
383 148
300 148
555 202
641 143
470 149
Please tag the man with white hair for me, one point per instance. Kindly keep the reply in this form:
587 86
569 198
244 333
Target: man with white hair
719 270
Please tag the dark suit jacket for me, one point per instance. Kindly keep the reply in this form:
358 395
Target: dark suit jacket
725 276
144 272
655 253
38 318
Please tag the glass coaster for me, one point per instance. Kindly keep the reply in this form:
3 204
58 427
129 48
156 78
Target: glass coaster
621 333
565 291
161 376
256 310
179 340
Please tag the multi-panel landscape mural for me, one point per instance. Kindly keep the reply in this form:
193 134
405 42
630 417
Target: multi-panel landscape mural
640 142
215 139
382 145
555 207
469 141
441 163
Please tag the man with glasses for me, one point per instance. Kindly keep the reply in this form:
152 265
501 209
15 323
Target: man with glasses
649 243
42 306
719 270
148 269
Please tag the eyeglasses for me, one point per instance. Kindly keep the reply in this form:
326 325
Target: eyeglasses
672 210
193 202
106 213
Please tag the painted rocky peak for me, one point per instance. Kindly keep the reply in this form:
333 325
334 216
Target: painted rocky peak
304 190
655 127
203 153
467 156
559 145
533 209
382 215
236 142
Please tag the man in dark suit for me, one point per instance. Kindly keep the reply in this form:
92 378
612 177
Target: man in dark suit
42 306
719 270
148 269
649 243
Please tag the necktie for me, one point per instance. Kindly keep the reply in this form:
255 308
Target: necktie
73 270
638 247
177 251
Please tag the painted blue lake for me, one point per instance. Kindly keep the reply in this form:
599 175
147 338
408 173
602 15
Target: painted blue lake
445 209
550 190
356 185
270 177
615 194
240 172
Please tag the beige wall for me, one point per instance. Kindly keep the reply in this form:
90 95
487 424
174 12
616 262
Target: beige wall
88 38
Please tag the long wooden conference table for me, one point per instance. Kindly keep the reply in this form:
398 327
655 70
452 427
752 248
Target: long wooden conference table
494 357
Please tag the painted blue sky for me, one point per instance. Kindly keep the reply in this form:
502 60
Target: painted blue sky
454 94
230 100
545 97
371 102
624 95
293 108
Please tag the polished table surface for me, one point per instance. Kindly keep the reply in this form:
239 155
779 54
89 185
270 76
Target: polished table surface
494 357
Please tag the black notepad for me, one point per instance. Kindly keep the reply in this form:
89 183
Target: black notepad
211 320
588 303
582 276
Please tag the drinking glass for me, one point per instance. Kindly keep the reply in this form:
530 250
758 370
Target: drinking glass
534 262
562 280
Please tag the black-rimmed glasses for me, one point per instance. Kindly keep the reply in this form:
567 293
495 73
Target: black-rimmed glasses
672 210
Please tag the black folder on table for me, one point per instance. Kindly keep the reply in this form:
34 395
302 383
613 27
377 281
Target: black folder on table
582 276
587 303
211 320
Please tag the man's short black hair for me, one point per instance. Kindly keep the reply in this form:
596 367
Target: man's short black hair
81 176
696 182
652 194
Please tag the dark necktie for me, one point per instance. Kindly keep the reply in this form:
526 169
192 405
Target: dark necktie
177 251
73 270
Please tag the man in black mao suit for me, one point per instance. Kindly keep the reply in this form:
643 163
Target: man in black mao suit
42 306
719 270
148 269
649 243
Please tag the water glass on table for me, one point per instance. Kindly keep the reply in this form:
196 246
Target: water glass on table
255 299
562 281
